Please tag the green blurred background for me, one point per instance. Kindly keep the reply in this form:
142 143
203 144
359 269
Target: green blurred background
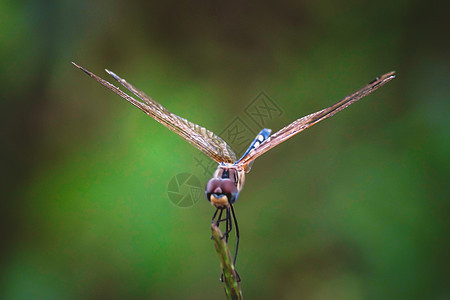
353 208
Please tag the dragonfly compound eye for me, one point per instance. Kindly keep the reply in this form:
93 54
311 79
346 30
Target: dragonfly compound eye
221 192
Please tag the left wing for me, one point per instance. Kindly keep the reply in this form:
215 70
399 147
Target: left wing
309 120
203 139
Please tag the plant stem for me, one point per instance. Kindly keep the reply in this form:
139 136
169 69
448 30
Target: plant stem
232 286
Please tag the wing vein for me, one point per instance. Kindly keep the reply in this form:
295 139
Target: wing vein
307 121
203 139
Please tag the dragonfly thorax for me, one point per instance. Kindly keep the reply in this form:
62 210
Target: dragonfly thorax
223 189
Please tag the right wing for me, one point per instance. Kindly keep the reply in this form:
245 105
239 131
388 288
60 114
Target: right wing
200 137
309 120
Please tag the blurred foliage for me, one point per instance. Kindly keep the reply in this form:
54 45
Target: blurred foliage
353 208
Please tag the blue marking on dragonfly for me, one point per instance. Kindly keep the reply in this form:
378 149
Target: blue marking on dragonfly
259 139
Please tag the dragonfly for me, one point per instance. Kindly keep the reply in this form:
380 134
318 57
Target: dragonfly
223 189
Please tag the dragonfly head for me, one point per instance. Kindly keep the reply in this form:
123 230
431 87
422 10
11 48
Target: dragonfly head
221 192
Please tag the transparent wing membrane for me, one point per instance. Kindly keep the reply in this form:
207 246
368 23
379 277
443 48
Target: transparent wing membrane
200 137
309 120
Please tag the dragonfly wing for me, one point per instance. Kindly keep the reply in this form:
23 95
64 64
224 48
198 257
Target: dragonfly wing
200 137
309 120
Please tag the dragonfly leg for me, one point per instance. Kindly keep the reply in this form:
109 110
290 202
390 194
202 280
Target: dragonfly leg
230 217
214 221
237 241
228 225
214 216
217 222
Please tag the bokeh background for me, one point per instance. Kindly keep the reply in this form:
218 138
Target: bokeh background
354 208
